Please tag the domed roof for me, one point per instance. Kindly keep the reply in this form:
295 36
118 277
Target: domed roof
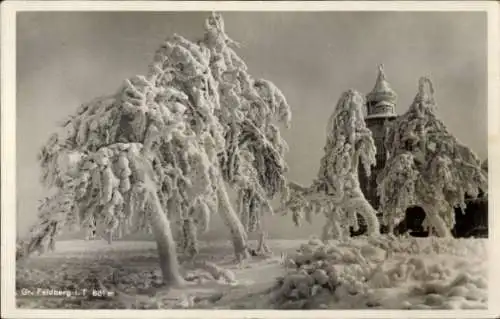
382 99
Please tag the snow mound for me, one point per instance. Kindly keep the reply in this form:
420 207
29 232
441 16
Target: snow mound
385 272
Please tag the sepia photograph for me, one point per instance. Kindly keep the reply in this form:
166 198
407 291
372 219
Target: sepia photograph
218 158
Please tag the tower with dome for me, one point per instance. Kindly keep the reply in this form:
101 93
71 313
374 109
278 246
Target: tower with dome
380 110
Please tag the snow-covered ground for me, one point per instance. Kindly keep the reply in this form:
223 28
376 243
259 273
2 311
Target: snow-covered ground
380 273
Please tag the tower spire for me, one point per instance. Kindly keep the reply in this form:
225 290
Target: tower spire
381 73
381 101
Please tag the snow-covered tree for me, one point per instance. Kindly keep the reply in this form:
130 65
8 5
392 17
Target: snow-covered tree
250 111
484 165
427 166
336 191
148 156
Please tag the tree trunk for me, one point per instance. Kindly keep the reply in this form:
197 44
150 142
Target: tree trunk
238 234
160 226
331 228
120 230
262 246
89 233
432 213
390 227
337 232
360 205
109 237
325 234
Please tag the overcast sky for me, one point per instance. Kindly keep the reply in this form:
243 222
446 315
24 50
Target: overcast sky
67 58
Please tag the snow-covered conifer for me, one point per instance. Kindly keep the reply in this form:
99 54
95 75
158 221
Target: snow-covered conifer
336 191
427 166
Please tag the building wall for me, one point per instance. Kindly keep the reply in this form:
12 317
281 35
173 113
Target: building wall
369 184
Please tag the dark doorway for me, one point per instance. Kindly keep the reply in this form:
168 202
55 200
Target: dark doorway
471 222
